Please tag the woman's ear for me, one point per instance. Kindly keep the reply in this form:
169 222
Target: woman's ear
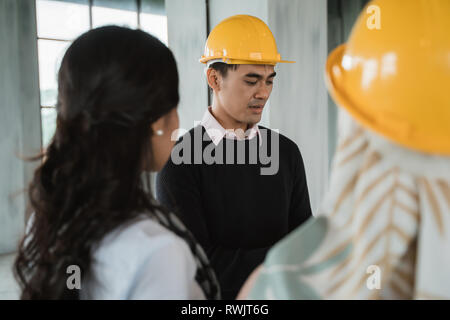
159 125
213 78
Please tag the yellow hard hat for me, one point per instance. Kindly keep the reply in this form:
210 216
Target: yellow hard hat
242 39
393 75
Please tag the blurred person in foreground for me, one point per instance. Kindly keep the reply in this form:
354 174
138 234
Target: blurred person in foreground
383 231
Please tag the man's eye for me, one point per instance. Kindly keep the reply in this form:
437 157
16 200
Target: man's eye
269 83
250 83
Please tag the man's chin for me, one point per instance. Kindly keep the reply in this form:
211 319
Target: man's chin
253 120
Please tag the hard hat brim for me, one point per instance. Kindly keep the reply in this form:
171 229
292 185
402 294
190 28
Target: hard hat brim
205 60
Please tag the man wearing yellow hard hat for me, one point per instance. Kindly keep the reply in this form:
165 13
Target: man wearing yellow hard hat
383 231
237 209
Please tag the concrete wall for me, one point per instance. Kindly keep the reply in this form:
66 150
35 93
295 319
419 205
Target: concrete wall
20 130
186 27
299 106
9 288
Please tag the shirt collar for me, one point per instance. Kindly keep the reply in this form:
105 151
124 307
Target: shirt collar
216 132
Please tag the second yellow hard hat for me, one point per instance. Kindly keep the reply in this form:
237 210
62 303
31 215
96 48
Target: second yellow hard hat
242 39
393 74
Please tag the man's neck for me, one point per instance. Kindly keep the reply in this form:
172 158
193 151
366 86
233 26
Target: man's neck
226 121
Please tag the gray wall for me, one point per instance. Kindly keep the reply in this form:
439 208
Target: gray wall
20 130
186 27
300 106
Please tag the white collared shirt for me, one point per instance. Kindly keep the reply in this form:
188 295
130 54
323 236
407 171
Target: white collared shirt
216 132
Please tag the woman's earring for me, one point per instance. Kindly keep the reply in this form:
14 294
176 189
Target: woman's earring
159 132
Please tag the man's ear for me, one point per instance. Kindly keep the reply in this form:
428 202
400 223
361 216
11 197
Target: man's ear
213 77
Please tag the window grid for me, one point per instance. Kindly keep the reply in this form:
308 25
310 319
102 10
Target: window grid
90 6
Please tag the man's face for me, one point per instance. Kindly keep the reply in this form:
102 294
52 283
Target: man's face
244 92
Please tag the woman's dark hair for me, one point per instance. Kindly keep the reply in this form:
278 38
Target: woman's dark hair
113 83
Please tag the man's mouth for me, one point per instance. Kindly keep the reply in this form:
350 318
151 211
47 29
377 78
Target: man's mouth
257 108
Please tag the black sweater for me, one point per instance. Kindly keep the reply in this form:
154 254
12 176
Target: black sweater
234 211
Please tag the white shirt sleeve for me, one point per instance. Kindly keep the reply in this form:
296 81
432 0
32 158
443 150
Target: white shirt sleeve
142 261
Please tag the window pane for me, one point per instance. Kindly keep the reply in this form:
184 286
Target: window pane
48 118
116 12
153 18
50 56
62 20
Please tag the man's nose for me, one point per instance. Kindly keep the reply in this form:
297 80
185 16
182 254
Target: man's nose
263 92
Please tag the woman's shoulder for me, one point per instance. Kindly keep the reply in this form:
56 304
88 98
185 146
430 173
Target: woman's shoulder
141 235
143 259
